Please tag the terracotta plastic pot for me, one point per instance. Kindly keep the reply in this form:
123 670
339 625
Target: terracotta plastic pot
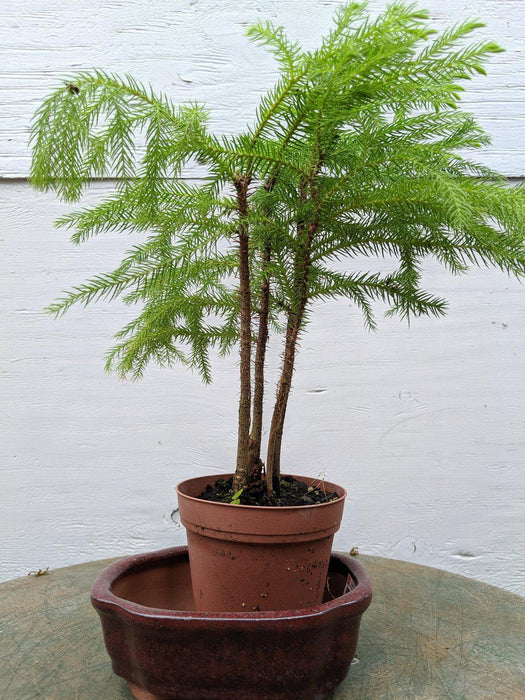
254 557
165 650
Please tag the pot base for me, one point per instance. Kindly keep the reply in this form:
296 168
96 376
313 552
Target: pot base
165 649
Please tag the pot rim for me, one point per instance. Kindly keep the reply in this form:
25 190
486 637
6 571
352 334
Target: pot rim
103 598
261 508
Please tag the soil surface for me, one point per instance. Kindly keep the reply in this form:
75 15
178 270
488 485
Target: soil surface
291 493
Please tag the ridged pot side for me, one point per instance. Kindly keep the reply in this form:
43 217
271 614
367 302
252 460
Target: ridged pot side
245 558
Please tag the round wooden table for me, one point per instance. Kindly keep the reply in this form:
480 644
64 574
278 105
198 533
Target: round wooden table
427 635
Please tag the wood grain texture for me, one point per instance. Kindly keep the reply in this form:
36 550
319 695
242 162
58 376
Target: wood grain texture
428 634
422 425
195 49
435 412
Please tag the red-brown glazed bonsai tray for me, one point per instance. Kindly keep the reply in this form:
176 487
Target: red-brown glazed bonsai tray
167 651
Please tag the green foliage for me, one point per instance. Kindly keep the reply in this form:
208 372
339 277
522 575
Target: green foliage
360 149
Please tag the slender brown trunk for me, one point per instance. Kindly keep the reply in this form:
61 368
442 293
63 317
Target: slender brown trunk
302 264
243 444
273 457
260 355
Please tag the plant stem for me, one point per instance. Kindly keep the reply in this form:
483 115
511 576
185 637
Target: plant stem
243 444
305 234
260 354
273 457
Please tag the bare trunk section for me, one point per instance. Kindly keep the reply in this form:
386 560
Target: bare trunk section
260 355
302 264
241 477
273 457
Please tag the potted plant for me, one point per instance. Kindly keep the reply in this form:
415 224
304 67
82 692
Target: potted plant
360 149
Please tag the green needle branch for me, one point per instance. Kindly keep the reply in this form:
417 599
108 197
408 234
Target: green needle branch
360 149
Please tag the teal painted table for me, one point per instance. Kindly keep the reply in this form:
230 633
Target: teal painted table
428 635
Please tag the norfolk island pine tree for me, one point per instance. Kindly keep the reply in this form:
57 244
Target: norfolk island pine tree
360 149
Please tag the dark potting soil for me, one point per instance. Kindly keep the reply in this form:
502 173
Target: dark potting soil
291 493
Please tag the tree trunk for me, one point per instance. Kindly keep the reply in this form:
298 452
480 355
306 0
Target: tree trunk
273 457
260 355
302 265
243 443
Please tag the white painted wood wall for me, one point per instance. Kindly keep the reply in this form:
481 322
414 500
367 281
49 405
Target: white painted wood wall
423 425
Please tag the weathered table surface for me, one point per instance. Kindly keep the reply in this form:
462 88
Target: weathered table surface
427 635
